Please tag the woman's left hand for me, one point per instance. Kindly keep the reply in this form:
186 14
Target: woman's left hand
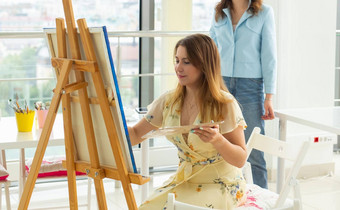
208 134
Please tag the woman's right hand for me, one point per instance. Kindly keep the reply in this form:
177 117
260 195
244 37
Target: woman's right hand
268 110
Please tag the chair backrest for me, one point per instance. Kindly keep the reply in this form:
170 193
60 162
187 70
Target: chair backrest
177 205
283 150
3 167
3 180
3 158
246 171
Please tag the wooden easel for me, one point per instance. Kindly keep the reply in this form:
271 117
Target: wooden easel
62 91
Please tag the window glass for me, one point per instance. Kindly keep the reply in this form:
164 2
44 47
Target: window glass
200 20
22 15
202 14
25 67
164 67
21 62
125 53
337 58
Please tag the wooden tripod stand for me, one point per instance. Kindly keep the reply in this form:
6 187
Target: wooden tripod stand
62 92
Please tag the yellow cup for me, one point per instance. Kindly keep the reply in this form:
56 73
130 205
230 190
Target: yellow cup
25 121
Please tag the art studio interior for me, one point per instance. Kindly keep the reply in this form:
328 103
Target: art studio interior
75 76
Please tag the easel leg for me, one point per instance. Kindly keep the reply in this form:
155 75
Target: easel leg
84 103
66 106
45 135
69 151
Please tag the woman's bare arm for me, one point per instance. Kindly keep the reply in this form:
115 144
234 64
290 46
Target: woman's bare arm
140 129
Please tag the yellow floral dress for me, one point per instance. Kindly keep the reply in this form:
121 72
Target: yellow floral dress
203 177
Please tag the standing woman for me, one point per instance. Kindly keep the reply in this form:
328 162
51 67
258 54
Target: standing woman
244 31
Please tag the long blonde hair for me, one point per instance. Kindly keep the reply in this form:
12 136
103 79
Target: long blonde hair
254 8
203 54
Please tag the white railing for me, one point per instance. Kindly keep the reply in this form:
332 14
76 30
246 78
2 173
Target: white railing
111 34
21 34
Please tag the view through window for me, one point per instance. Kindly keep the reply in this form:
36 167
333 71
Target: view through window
25 69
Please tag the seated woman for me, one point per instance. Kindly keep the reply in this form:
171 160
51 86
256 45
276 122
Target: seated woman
210 158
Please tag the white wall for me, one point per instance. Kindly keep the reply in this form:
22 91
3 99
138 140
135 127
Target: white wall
306 55
306 61
306 52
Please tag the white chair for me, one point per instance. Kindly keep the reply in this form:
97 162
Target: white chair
4 183
176 205
281 149
257 196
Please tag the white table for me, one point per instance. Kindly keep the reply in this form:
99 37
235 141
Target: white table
327 119
10 138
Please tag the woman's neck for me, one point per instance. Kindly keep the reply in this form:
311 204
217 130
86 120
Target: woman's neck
191 92
240 5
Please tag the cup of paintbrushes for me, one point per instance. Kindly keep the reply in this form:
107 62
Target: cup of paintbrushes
41 115
25 120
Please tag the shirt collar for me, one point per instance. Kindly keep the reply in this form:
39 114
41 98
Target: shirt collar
244 16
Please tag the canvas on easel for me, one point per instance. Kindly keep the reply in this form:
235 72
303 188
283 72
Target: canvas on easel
96 136
106 66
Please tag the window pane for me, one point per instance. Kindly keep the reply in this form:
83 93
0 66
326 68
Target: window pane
22 61
202 13
337 70
337 50
164 65
22 15
125 53
337 57
27 91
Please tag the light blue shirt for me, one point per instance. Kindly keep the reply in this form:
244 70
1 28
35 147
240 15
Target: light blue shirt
250 50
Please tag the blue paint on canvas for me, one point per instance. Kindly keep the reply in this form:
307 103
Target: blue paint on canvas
119 98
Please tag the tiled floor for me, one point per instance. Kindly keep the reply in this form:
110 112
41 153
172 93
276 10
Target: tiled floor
322 193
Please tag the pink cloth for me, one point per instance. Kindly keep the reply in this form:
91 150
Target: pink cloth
3 173
51 167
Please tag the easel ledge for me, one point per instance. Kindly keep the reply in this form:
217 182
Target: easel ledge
109 171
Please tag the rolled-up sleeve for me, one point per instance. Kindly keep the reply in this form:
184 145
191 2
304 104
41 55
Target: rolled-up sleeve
155 111
233 117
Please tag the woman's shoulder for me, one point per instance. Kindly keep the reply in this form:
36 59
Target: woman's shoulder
227 95
266 9
256 21
166 94
165 97
161 100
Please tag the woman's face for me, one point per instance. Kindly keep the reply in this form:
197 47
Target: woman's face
188 75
